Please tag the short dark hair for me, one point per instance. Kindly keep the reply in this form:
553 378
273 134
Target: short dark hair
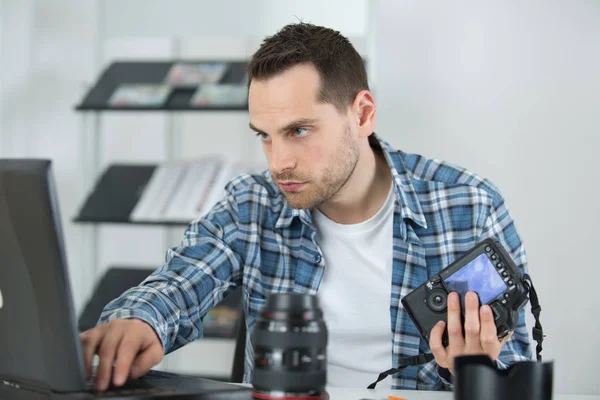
341 68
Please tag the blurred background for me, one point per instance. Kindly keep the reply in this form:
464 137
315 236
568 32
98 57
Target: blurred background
508 89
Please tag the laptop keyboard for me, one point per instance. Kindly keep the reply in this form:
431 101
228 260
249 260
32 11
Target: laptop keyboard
133 387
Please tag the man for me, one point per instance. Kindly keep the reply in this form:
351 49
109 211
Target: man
339 214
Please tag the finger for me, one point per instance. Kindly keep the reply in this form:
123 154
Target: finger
472 340
126 352
146 360
489 332
435 344
106 353
89 344
455 334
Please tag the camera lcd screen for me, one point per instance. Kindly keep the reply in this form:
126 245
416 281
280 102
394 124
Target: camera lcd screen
478 276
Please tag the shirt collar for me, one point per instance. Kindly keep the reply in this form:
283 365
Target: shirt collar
410 208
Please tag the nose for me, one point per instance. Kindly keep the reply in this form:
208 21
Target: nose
281 158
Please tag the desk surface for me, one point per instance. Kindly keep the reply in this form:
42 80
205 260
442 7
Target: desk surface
382 394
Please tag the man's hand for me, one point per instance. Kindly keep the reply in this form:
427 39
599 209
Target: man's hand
480 336
130 344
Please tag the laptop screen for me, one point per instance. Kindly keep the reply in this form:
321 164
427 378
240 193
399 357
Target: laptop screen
39 342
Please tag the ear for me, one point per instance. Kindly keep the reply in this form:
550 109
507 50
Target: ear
364 113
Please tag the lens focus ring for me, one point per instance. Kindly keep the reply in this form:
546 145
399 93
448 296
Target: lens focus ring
290 341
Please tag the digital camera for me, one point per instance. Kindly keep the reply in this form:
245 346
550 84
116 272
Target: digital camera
486 269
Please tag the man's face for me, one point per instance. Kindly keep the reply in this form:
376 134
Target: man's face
311 148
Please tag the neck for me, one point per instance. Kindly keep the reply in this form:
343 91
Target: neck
364 193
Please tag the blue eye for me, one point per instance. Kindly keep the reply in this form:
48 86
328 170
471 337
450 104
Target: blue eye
300 131
262 136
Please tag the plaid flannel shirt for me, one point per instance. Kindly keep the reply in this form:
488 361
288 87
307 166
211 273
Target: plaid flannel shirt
253 238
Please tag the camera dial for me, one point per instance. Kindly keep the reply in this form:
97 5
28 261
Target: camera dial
437 300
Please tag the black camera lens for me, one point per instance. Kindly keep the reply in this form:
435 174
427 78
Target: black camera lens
437 300
290 343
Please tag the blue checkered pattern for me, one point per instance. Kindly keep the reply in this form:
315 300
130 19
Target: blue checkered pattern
255 239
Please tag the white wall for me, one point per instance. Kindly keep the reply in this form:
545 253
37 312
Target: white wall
510 89
46 55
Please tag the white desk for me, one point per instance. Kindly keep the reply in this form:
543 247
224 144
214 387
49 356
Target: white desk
382 394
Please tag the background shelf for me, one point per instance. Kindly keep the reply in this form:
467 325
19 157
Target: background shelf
154 72
115 194
166 195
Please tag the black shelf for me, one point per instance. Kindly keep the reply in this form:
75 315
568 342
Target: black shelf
129 222
116 193
154 72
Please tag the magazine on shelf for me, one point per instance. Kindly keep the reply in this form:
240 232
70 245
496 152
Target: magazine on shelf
183 191
220 95
194 74
140 95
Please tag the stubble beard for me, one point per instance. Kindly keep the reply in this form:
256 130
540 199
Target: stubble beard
335 177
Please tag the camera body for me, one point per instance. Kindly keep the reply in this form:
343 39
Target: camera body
486 269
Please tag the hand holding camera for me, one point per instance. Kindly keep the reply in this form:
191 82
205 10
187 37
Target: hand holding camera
470 309
491 289
480 332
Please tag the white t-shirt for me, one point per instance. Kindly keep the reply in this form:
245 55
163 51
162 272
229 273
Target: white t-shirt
355 296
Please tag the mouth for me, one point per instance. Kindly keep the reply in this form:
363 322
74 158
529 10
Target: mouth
291 186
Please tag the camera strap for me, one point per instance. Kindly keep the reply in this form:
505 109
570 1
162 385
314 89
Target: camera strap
404 362
537 332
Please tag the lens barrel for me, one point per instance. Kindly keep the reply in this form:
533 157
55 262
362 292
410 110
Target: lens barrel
290 349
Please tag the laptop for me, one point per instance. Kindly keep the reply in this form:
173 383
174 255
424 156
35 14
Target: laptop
40 351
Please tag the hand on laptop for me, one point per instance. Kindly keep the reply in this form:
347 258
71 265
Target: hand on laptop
481 336
131 345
